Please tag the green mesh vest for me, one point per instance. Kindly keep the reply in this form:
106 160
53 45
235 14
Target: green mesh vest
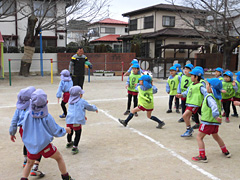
180 73
185 82
229 88
237 94
221 78
207 111
173 84
145 98
194 95
133 79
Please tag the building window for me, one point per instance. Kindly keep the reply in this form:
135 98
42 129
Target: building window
199 22
145 50
126 29
46 43
117 48
40 7
168 21
94 32
194 43
158 44
61 37
7 7
110 30
182 50
148 22
133 25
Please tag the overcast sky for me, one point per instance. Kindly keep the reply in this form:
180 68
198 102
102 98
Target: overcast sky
118 7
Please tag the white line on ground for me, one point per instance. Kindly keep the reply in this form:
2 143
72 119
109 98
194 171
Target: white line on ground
173 153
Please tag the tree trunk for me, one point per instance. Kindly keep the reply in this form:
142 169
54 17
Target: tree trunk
29 46
227 54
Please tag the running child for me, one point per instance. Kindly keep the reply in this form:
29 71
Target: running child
145 101
39 128
171 88
195 95
211 119
228 92
134 61
184 83
237 95
219 73
130 85
76 116
65 84
22 107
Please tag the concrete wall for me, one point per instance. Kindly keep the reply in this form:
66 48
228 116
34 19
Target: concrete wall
35 67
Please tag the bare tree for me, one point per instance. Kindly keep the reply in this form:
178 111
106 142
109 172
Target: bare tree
45 15
221 21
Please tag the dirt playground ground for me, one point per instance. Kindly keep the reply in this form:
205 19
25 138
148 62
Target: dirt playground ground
109 151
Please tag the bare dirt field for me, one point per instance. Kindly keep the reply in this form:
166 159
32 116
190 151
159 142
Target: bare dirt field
109 151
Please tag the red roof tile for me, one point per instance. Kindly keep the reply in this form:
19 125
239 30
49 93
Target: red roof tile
111 37
111 21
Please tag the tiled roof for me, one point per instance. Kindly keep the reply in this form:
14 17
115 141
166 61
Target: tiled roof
111 38
111 21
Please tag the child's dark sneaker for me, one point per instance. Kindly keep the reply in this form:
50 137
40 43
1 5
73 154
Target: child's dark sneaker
37 173
195 126
234 115
181 120
160 125
62 116
67 177
200 159
227 120
75 150
69 145
136 114
169 111
177 111
127 112
122 122
227 154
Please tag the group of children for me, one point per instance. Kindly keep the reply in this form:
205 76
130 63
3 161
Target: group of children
37 127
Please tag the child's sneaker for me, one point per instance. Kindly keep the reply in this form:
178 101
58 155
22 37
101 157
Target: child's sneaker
181 120
127 112
67 178
122 122
227 120
195 126
177 111
224 114
69 145
160 125
227 154
75 150
188 133
169 111
200 159
234 115
136 114
62 116
37 173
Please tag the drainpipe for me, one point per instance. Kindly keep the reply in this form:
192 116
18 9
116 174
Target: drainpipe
16 24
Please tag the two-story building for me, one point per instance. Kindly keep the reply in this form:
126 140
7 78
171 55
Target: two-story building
107 31
163 31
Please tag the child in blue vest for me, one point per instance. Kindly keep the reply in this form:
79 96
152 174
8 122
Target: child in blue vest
145 101
184 83
65 84
76 116
228 92
211 119
22 105
195 95
171 88
130 86
39 128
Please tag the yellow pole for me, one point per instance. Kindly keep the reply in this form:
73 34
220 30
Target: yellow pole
2 59
51 71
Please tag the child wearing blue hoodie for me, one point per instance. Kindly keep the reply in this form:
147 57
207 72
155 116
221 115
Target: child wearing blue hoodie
134 61
145 101
65 84
211 119
22 107
39 128
76 116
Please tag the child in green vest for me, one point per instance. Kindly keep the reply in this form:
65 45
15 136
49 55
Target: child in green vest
171 88
184 83
130 86
145 101
179 70
219 73
237 95
195 95
211 119
228 92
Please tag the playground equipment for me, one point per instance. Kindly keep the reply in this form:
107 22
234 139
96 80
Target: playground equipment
2 59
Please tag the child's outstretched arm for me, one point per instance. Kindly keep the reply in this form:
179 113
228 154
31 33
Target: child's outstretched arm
155 89
179 84
55 129
235 87
90 107
127 83
236 103
13 126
